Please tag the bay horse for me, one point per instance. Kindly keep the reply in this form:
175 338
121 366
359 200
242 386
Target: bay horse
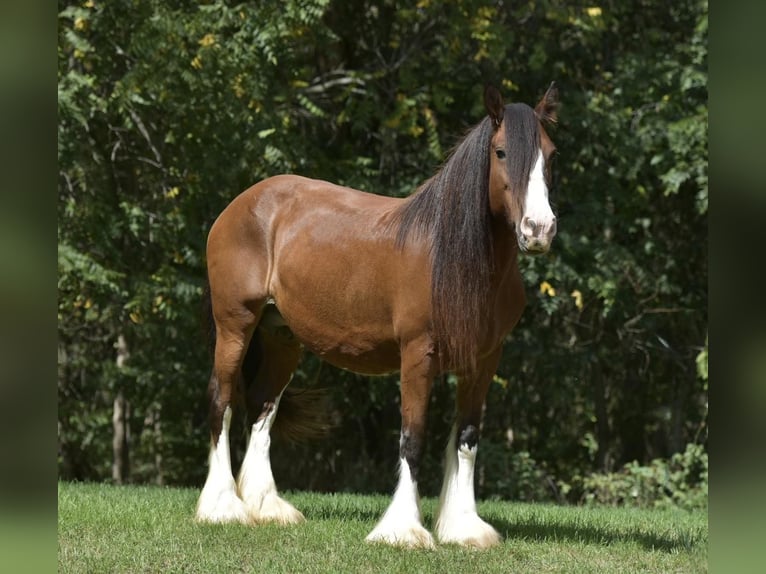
424 285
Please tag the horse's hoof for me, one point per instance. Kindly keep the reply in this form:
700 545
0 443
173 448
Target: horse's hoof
223 509
273 509
470 531
414 536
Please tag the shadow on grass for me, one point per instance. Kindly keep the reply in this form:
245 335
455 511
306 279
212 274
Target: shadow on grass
529 529
534 530
328 507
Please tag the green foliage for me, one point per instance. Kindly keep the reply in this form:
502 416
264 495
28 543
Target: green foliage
702 367
681 481
167 110
514 475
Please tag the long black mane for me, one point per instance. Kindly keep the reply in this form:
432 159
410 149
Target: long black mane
452 211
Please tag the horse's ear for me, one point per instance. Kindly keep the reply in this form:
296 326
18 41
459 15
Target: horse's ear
547 107
493 101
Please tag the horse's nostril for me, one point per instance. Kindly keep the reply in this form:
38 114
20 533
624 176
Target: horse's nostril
532 224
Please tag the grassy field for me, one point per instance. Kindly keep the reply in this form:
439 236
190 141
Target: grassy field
145 529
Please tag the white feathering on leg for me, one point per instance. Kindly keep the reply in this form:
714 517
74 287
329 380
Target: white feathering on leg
400 525
218 501
256 481
457 521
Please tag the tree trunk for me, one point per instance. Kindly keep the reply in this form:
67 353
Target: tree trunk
120 423
153 423
603 432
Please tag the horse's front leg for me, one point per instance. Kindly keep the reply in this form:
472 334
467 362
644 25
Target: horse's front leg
457 521
401 524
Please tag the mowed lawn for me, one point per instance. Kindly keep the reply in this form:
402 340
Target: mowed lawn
105 528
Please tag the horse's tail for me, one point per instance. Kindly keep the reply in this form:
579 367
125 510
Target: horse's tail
302 414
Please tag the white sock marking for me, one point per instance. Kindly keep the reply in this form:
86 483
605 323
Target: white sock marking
401 524
256 482
218 501
457 520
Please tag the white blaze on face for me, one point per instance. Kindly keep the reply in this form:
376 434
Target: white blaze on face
538 224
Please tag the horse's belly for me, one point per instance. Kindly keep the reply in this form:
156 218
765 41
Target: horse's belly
367 351
362 345
376 361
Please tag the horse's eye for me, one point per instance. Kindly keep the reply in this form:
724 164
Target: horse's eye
500 153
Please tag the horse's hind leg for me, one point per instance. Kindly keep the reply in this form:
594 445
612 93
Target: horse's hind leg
268 368
219 501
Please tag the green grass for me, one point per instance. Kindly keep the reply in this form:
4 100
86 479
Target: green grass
148 529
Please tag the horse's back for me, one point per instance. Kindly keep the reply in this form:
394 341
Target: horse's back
280 191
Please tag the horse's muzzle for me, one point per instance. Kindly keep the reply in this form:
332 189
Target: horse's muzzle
536 237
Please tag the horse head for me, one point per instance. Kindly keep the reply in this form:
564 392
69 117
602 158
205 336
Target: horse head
520 153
